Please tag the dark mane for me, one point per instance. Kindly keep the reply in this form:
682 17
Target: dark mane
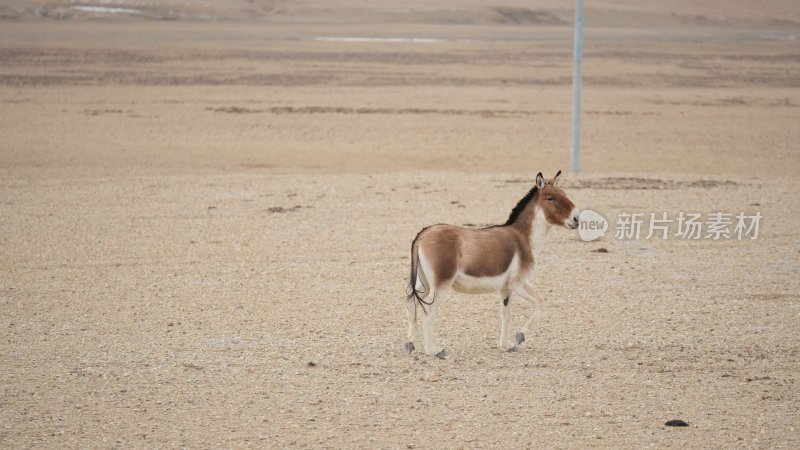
521 205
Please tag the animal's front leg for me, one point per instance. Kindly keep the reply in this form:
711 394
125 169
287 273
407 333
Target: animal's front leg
505 322
526 291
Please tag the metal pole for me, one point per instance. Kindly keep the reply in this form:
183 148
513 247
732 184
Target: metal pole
576 86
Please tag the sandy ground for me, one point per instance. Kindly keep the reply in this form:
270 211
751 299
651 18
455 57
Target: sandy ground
205 224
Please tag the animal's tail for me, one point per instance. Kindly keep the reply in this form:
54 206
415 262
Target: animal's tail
412 291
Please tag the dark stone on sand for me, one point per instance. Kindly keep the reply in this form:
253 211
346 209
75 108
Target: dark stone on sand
676 423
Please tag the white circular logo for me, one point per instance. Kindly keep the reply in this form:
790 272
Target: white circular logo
591 225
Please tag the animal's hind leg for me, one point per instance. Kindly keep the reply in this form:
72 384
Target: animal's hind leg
505 322
436 298
411 312
421 288
525 290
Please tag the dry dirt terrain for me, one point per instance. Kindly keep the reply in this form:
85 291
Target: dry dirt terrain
206 210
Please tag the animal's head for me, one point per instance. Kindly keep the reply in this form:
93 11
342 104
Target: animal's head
558 209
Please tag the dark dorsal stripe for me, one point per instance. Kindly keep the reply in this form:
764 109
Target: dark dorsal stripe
515 213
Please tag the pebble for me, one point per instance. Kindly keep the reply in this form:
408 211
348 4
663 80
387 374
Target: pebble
676 423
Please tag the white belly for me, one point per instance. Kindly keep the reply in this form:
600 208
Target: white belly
479 285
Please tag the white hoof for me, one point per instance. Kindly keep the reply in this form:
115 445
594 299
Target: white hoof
507 346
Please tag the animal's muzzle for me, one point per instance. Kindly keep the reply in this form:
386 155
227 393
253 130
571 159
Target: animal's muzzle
573 222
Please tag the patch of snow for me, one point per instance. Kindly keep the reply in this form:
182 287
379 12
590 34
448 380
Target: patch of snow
778 37
375 39
107 10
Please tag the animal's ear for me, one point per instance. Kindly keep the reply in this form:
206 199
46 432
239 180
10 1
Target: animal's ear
554 180
539 180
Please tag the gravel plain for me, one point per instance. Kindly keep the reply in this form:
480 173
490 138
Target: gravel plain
205 226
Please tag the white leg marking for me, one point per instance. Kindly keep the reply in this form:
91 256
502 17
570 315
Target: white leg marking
413 309
411 313
505 321
525 290
431 347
